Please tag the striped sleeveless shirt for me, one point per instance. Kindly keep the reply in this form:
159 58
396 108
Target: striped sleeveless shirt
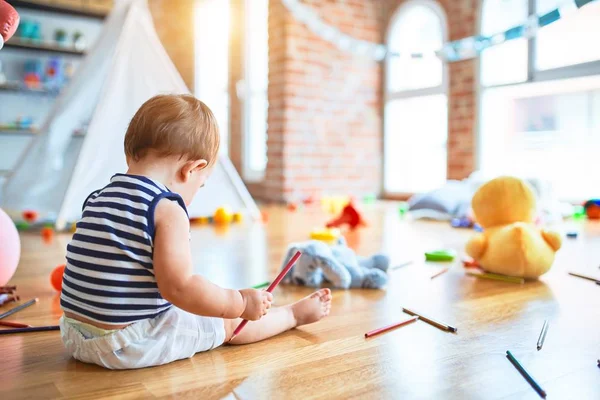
109 276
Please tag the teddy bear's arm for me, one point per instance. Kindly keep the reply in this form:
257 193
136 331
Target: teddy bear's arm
476 246
552 238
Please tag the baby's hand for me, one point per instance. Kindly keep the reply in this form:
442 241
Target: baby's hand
257 303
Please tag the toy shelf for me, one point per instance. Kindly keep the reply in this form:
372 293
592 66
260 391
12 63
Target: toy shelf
16 87
78 12
17 43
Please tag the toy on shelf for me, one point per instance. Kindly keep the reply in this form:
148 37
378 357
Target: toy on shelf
592 208
56 277
328 235
32 74
292 207
237 217
60 36
336 266
79 40
350 216
54 77
29 30
10 248
511 244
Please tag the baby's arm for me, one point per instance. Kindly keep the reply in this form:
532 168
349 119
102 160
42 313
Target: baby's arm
178 284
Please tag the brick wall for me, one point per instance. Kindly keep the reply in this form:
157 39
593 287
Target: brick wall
174 23
325 118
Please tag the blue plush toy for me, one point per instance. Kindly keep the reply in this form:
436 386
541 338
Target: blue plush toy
336 266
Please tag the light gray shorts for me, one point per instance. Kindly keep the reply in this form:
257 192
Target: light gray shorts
173 335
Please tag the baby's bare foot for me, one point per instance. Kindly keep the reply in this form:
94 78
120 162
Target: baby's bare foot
312 308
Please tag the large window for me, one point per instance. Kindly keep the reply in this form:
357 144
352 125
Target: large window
540 98
254 93
212 61
415 101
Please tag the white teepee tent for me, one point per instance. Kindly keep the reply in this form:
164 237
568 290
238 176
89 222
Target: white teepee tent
126 67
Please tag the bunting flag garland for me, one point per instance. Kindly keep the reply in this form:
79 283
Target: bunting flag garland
457 50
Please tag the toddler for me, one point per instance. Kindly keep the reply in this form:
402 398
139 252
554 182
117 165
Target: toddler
129 296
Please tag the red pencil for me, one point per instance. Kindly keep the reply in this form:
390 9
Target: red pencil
389 327
272 286
442 271
14 324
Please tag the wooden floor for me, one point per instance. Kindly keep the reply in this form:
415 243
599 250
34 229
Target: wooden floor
332 359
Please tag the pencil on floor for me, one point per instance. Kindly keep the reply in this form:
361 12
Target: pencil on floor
496 277
390 327
589 278
404 264
542 337
18 308
261 285
14 324
442 271
31 329
525 374
430 321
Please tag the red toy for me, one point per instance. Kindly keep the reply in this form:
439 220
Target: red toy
30 216
56 278
350 215
47 234
292 207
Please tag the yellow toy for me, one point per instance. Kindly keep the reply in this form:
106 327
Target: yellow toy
329 235
237 217
222 216
510 244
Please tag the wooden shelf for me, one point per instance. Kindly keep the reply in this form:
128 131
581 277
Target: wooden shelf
17 43
78 12
17 132
17 87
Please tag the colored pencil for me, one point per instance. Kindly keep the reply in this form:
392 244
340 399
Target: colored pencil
14 324
542 337
525 374
272 286
442 271
430 321
261 285
389 327
18 308
404 264
589 278
496 277
32 329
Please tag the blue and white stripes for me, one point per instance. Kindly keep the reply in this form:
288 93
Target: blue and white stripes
109 276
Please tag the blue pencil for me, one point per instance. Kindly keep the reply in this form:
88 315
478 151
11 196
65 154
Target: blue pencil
525 374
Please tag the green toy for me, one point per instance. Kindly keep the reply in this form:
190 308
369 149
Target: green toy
440 255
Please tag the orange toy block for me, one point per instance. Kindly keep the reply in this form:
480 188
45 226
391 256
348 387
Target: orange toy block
350 216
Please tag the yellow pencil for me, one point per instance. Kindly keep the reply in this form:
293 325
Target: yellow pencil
496 277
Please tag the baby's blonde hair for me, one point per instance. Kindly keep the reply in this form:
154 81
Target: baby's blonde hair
173 125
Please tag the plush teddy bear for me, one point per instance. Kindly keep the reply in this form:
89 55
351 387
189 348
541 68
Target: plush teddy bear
335 265
511 243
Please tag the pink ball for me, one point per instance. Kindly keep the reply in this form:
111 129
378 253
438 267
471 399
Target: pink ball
10 248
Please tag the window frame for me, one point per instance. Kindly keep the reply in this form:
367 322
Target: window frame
388 95
245 93
585 69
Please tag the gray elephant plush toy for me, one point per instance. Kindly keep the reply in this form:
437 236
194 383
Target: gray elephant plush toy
335 265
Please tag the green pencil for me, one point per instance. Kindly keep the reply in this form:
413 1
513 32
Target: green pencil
525 374
496 277
261 285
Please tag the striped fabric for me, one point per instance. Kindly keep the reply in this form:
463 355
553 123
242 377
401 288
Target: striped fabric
109 276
